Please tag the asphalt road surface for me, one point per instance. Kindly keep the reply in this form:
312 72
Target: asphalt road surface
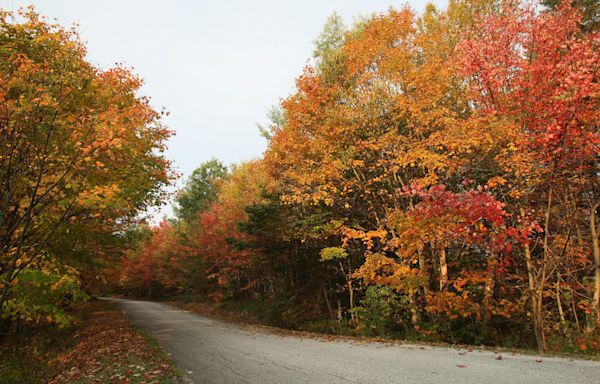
210 351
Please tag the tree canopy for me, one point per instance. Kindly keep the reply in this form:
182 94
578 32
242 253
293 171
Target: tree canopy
81 157
200 190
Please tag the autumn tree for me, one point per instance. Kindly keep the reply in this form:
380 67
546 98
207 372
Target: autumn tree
78 146
200 190
535 74
217 236
162 262
433 174
590 9
391 119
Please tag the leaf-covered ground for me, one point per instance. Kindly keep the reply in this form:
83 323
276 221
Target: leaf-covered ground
109 350
103 348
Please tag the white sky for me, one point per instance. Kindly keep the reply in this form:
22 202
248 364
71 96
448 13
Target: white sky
217 66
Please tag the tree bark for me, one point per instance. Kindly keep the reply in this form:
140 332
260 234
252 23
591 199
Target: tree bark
538 326
328 303
348 278
443 269
596 252
490 285
561 312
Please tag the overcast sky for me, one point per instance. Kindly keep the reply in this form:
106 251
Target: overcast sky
217 66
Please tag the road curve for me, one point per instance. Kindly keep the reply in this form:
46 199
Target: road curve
210 351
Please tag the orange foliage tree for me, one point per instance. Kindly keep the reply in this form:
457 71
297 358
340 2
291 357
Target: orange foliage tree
218 238
78 147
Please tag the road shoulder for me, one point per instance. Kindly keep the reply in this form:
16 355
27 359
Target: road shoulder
107 348
248 321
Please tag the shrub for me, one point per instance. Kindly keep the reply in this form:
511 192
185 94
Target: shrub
45 296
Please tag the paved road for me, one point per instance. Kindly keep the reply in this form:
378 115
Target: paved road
210 351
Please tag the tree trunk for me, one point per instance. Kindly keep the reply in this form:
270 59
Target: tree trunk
4 328
538 284
348 278
4 295
414 313
561 312
596 252
351 290
490 284
443 269
328 303
538 326
423 270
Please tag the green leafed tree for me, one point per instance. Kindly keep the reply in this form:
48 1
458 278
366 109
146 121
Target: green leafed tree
276 116
327 47
200 190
